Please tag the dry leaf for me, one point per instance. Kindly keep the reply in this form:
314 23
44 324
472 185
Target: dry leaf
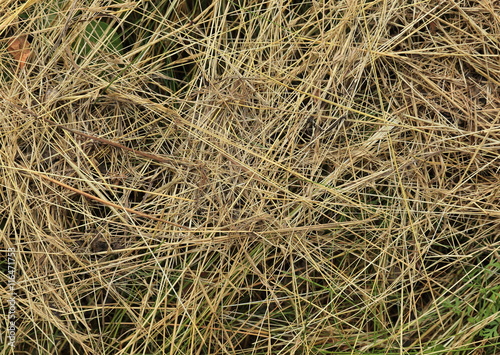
19 48
432 27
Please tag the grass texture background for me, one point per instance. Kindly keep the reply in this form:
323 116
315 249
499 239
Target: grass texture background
251 177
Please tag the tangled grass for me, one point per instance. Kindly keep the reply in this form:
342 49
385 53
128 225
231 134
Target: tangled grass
252 177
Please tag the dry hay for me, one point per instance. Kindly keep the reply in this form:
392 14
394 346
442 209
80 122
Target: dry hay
279 178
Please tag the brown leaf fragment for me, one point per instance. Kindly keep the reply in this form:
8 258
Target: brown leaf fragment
19 48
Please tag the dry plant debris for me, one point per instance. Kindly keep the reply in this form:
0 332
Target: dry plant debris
252 177
19 48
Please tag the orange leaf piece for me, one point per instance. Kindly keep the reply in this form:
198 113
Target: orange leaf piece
19 48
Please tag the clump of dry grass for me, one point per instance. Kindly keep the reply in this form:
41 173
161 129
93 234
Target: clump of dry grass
253 177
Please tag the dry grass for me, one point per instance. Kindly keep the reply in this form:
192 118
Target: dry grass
249 177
